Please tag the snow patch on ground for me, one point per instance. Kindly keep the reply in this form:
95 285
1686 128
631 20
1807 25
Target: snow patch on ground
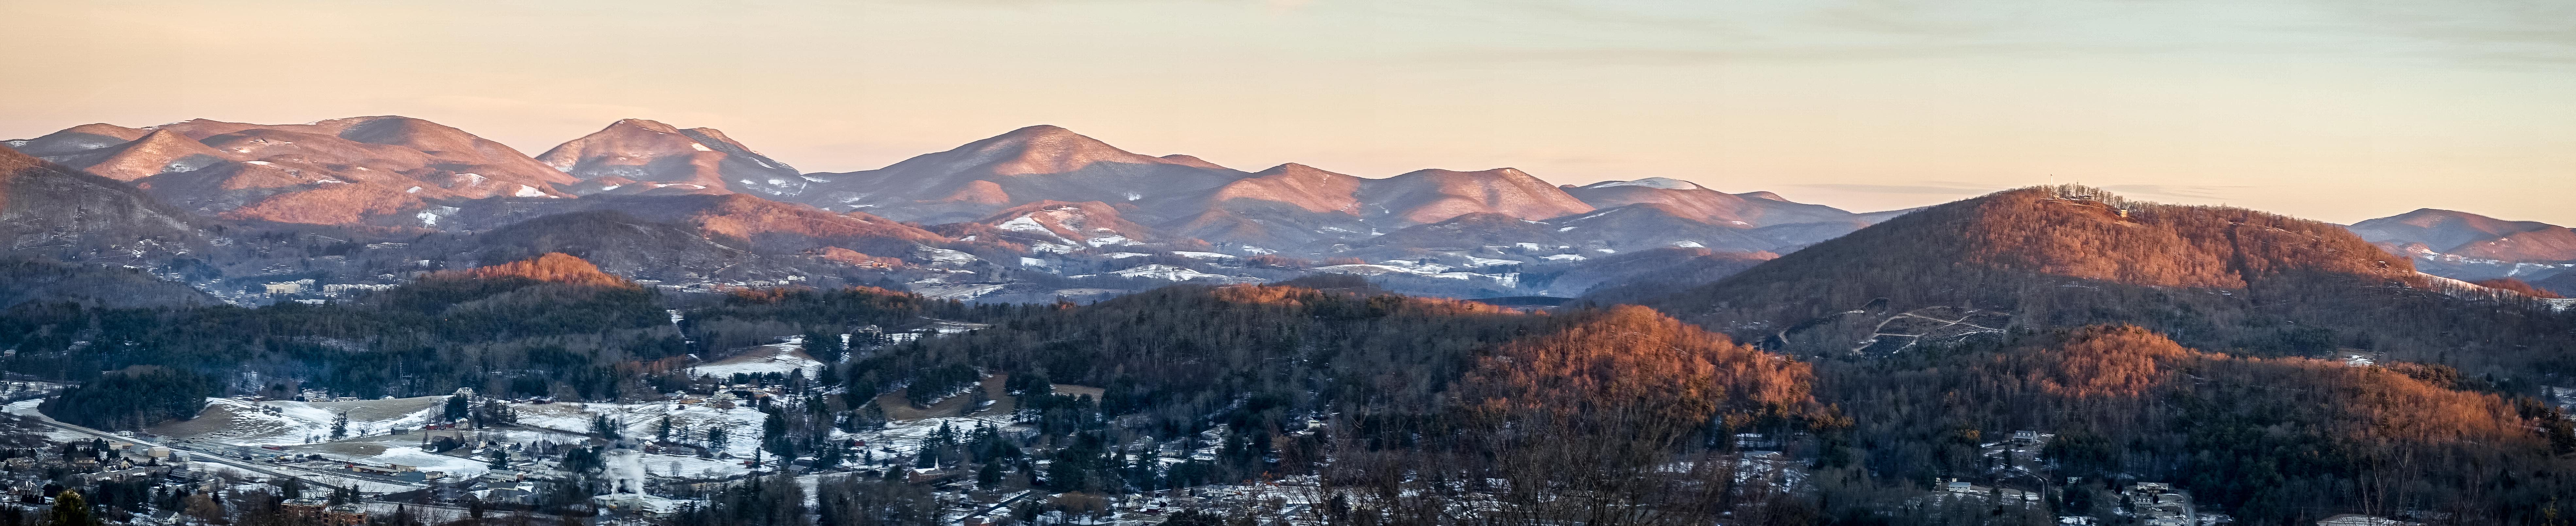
946 256
288 422
773 358
1025 224
1174 273
955 291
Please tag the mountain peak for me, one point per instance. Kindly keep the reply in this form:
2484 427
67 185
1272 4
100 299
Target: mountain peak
2090 234
77 139
668 160
2444 230
157 152
1040 129
1432 195
1297 185
645 124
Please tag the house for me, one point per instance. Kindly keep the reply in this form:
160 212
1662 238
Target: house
2159 504
317 513
394 471
512 495
927 475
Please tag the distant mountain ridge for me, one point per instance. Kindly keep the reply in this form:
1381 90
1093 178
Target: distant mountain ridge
2472 247
408 173
362 170
54 211
1041 210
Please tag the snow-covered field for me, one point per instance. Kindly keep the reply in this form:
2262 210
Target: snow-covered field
772 358
284 422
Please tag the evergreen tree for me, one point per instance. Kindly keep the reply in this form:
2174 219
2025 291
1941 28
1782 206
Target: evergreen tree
774 436
70 510
458 408
990 475
608 428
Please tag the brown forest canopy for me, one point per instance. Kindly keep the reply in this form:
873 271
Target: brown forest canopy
2212 277
2268 440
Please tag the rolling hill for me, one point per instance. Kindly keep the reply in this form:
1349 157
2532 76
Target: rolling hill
2041 258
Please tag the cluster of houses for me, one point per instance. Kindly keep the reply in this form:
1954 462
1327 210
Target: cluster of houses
279 289
710 286
32 478
2158 504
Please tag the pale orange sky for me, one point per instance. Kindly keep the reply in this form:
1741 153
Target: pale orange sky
2334 110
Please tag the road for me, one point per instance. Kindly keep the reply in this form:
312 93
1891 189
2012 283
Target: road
193 454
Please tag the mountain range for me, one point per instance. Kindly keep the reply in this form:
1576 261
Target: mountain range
1034 213
387 196
2473 247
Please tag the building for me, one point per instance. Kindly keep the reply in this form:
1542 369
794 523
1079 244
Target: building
318 513
2159 504
334 290
392 471
275 288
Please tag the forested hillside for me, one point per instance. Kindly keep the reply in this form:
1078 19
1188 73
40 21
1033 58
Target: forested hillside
2269 440
1577 414
550 326
2226 279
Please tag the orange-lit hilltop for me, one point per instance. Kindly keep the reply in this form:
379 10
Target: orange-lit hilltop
553 267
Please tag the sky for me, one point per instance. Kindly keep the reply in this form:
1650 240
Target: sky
2337 110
